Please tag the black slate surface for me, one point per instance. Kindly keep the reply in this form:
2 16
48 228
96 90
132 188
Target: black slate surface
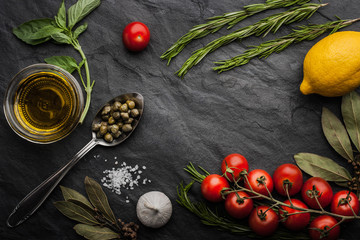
256 110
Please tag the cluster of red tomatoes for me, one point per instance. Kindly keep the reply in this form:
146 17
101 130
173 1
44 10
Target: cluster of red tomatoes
287 180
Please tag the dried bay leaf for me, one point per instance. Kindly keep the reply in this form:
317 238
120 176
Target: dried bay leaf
336 134
75 212
350 109
319 166
98 198
95 232
69 193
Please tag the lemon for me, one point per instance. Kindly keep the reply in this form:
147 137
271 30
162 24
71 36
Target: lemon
332 66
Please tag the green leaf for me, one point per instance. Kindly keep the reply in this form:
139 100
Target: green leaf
61 38
65 62
80 10
350 108
60 18
318 166
79 30
36 31
75 212
69 194
95 232
336 134
98 198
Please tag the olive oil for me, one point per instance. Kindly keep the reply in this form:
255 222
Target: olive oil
44 103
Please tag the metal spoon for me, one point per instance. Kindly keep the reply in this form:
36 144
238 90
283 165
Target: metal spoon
36 197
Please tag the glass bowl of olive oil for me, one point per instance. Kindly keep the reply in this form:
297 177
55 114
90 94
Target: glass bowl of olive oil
43 103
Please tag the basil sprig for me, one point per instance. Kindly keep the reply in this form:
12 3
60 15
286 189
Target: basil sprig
61 30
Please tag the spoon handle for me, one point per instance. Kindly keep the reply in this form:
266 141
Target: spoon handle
36 197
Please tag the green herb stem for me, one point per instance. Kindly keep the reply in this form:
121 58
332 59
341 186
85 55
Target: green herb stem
265 49
262 27
216 23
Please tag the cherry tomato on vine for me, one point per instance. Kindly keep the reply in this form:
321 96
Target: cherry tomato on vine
260 181
237 163
297 221
318 187
320 226
136 36
288 177
212 186
263 221
342 201
238 205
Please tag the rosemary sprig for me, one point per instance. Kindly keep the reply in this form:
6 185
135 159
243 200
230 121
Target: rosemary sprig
262 27
263 50
216 23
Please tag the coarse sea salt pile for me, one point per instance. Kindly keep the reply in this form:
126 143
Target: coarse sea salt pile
123 177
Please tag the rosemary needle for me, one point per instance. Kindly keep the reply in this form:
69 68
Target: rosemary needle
309 32
262 27
230 19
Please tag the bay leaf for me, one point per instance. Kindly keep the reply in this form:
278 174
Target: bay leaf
319 166
350 109
95 232
69 194
84 206
98 198
75 212
65 62
336 134
80 10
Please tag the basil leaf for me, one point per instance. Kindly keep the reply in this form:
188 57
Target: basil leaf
79 30
95 232
98 198
336 134
70 194
350 108
75 212
61 38
65 62
318 166
80 10
60 18
36 31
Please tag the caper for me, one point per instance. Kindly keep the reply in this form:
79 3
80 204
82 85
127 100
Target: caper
126 128
134 112
103 130
106 110
98 135
116 106
116 135
111 120
114 128
103 123
130 103
108 137
96 127
124 116
130 120
105 117
120 124
116 115
124 107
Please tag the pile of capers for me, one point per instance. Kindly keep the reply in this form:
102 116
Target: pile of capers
116 119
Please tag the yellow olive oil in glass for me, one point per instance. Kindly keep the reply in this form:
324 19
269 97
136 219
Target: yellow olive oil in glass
44 103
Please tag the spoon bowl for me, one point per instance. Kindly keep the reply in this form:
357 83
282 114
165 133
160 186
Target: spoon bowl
36 197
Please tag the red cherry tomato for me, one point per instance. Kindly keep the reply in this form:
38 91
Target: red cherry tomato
319 228
259 180
317 186
342 201
263 221
236 163
136 36
238 205
294 222
288 176
212 186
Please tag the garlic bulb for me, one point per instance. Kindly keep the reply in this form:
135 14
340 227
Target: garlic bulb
154 209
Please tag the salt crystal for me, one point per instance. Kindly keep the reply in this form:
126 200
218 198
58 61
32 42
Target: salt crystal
143 167
116 162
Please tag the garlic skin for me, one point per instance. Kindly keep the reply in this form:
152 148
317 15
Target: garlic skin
154 209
